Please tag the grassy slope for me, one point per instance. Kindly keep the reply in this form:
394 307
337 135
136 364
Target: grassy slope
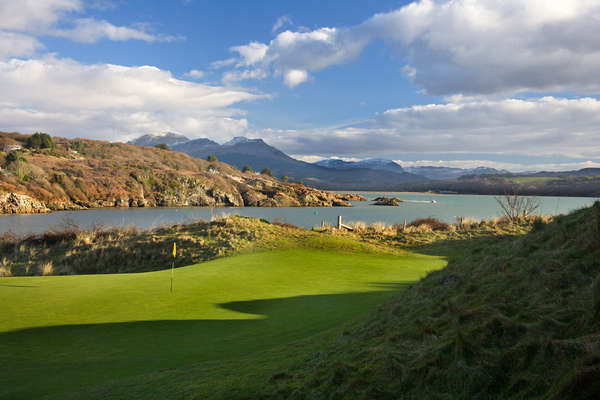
512 318
531 179
231 321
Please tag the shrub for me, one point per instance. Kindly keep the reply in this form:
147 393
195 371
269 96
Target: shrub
267 172
46 268
285 178
76 145
247 168
40 140
212 158
434 223
21 169
162 146
13 156
515 207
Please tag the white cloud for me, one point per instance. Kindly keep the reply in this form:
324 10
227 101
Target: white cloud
112 102
90 30
17 45
293 54
495 46
35 15
281 22
294 77
460 46
545 126
56 18
252 53
195 74
222 63
230 77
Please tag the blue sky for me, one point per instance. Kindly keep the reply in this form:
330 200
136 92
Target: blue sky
510 84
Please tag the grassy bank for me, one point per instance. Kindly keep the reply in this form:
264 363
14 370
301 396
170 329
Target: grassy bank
70 250
513 317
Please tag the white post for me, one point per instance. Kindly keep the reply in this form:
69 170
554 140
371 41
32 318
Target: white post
339 222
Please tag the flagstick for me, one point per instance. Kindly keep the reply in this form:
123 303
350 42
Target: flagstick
173 264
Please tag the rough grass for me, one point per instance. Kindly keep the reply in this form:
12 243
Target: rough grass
72 251
510 317
229 323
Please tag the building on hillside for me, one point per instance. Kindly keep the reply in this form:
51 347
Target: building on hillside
11 147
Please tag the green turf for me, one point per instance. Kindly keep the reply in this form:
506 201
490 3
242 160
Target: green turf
228 322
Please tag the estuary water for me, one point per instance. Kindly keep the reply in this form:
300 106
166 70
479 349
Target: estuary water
416 205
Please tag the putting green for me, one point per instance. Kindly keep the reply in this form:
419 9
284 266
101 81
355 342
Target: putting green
60 334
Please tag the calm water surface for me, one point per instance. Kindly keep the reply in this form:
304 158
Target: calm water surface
446 207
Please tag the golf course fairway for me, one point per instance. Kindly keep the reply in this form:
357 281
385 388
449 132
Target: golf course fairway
226 326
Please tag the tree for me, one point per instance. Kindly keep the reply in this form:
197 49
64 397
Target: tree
212 158
40 140
300 182
247 168
515 207
76 145
162 146
267 171
285 178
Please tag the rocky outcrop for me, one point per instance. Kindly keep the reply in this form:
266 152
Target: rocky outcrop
191 193
14 203
387 201
350 197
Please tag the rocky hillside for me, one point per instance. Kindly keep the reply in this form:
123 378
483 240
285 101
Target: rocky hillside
79 174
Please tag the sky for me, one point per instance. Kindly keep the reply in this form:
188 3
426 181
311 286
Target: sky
510 84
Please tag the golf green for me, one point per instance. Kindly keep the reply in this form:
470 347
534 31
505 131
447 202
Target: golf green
61 334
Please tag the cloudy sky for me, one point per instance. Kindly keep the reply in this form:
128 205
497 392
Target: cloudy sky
504 83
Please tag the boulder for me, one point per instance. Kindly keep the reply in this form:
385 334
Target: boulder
14 203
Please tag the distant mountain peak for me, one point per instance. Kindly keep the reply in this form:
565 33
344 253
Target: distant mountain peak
152 139
372 163
241 139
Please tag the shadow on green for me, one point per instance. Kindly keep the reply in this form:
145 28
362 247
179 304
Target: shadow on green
51 360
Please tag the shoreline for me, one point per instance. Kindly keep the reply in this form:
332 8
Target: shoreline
591 196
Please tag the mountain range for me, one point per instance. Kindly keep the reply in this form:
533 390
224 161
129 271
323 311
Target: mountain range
372 174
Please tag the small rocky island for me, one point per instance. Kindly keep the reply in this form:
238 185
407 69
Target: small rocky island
350 197
387 201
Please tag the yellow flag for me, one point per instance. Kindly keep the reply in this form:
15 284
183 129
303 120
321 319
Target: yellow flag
174 250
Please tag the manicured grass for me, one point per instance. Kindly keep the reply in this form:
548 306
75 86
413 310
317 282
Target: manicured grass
229 323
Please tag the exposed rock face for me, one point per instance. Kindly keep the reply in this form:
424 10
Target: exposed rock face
387 201
13 203
350 197
192 192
